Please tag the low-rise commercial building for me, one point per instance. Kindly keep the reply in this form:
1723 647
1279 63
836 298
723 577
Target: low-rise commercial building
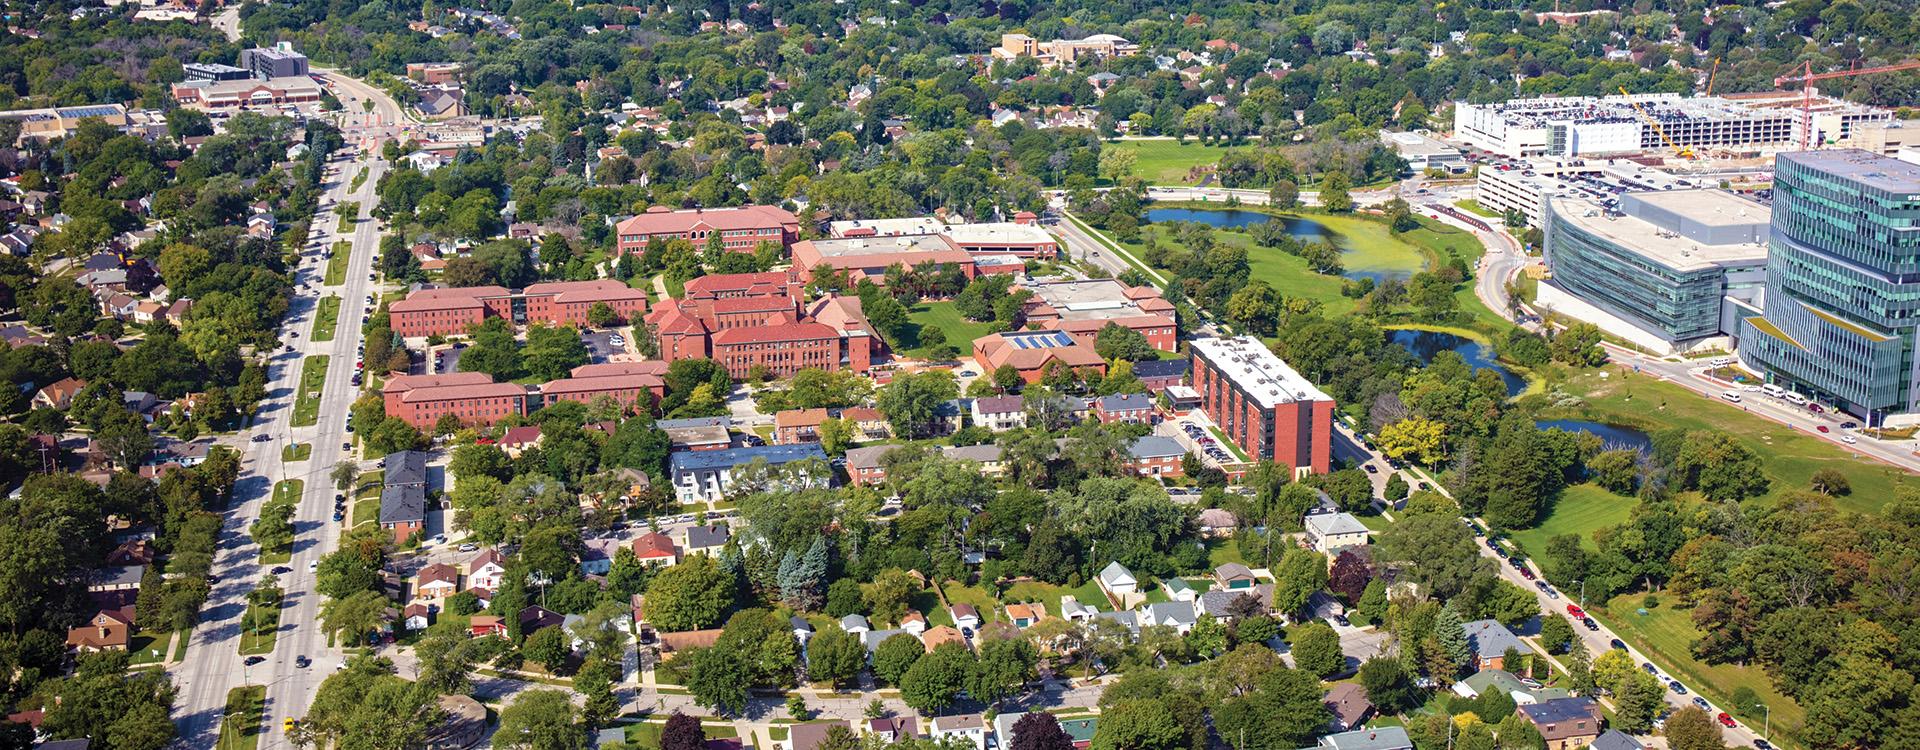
701 476
1063 51
60 122
453 310
741 229
1423 152
1576 126
1524 189
1262 404
1032 353
1662 270
246 93
1082 308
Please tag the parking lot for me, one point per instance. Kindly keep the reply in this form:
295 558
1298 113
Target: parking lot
1193 433
604 346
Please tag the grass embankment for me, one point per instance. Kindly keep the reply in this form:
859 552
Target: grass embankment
337 265
306 403
1472 206
1791 456
1169 162
1667 634
959 331
326 318
296 452
240 728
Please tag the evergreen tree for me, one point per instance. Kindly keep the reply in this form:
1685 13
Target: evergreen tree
1452 634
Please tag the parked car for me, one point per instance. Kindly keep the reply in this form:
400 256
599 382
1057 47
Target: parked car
1591 625
1618 645
1546 589
1576 611
1727 721
1675 686
469 547
1652 670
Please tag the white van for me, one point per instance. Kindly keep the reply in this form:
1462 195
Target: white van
1731 396
1795 399
1773 390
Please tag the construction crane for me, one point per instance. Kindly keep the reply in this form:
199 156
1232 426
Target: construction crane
1684 152
1711 74
1806 79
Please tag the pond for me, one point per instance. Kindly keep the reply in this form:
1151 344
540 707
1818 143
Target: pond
1300 228
1426 344
1611 435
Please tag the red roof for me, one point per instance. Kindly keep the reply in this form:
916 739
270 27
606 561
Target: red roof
662 220
604 369
771 283
404 383
597 290
607 383
783 332
654 546
520 435
451 392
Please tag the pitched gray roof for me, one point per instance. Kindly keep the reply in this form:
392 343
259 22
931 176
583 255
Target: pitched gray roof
1491 639
1614 739
403 503
406 467
1329 524
1115 573
701 537
1155 446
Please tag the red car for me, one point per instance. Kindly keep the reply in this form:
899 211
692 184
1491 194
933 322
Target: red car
1526 573
1822 428
1727 721
1578 614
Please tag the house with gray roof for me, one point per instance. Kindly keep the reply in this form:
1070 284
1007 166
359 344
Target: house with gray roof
1490 641
1379 738
1117 580
1000 413
1221 603
1177 615
855 624
1332 532
1614 739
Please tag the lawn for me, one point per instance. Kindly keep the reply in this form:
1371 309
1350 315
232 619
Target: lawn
1232 447
296 452
1473 207
1367 245
240 729
1668 633
349 212
1223 551
1791 456
141 647
327 318
284 491
958 594
960 332
366 498
1169 162
255 642
337 265
306 403
358 180
1582 509
1049 595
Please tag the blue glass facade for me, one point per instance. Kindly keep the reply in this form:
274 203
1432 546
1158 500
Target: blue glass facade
1680 304
1843 278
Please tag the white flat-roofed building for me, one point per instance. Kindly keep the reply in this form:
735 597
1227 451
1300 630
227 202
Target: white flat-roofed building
1424 152
1575 126
1021 237
1082 308
1526 187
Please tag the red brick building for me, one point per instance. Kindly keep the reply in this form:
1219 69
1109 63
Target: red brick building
1032 352
830 333
1262 404
794 426
421 400
772 284
1082 308
445 311
742 229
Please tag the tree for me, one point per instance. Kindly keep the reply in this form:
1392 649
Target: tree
689 596
888 595
912 402
1423 440
1038 730
895 656
1349 575
718 679
1434 550
345 474
540 720
1117 342
601 315
1451 634
548 647
1616 470
1296 577
835 655
1517 732
683 732
1556 634
352 618
1138 724
1333 193
1579 345
1691 728
1831 482
1316 650
1284 711
1390 686
936 679
1005 665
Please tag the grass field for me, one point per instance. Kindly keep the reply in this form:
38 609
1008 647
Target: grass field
337 265
646 734
1472 206
1582 510
142 645
1791 456
366 499
960 331
296 452
1049 594
326 318
349 212
1668 634
240 729
958 594
1168 162
1369 246
306 403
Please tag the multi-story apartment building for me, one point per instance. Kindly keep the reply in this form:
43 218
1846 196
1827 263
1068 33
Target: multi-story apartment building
774 331
279 61
1843 283
471 397
1262 404
453 310
741 229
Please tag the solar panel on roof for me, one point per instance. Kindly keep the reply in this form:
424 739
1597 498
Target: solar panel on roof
94 111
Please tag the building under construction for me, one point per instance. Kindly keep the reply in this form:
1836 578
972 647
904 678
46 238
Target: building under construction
1577 126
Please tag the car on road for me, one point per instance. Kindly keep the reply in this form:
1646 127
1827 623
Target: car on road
1617 644
1591 624
1849 439
1760 744
1821 428
1727 721
1576 611
302 661
262 438
1547 589
313 566
252 660
288 724
1849 425
280 570
1701 702
1675 686
1371 469
469 547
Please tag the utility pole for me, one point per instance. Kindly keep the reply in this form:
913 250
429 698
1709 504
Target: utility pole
1766 723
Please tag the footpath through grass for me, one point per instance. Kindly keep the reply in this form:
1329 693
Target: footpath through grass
326 318
306 404
1791 456
240 728
337 265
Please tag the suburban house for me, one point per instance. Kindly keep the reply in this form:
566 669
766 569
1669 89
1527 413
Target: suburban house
1349 705
1178 590
707 540
1024 616
109 630
1614 739
987 455
596 556
855 624
863 465
795 426
403 495
965 616
1380 738
1156 456
481 626
1217 522
656 549
1000 413
1071 609
1565 722
1117 580
1491 641
892 728
1332 532
58 394
1177 615
1132 408
940 635
436 582
971 728
809 736
485 569
416 616
913 622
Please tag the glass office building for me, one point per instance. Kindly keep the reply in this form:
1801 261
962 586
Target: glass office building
1661 261
1843 281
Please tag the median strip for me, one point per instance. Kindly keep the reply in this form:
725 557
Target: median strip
326 318
306 404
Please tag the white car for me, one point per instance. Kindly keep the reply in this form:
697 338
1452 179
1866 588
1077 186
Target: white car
1849 439
313 566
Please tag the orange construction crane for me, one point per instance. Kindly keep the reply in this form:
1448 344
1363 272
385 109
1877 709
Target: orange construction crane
1711 74
1684 152
1806 79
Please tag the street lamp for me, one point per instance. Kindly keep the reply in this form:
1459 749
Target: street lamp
1766 723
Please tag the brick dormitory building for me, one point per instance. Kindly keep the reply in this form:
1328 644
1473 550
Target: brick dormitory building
474 399
452 310
741 229
1262 404
743 320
